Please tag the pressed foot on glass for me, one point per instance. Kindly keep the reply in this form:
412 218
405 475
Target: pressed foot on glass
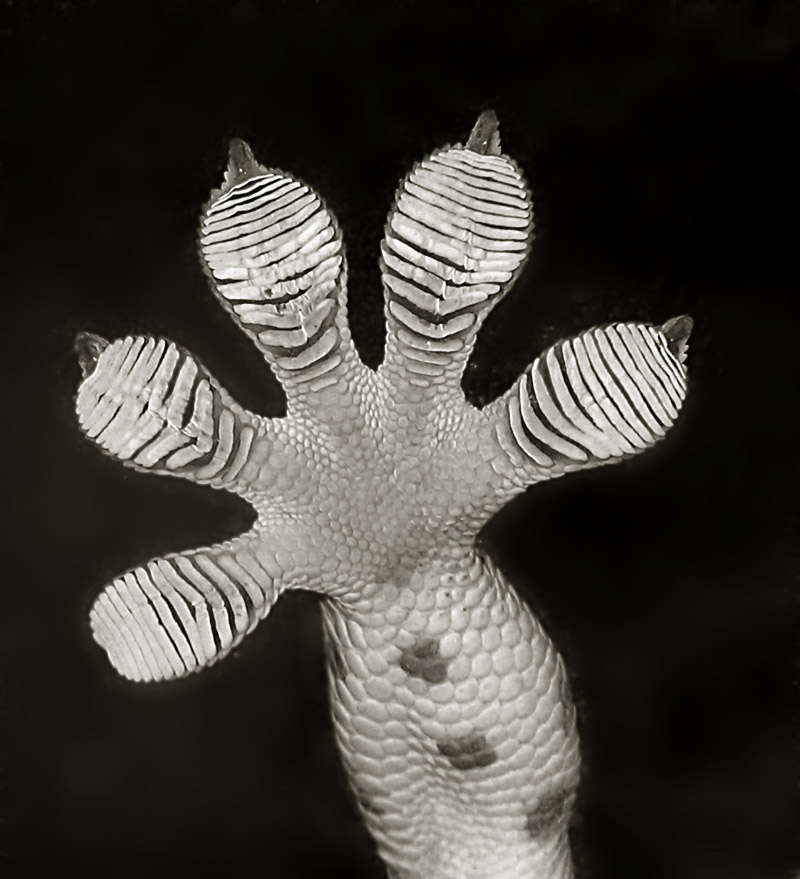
451 706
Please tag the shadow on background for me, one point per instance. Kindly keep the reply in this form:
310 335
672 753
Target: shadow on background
661 144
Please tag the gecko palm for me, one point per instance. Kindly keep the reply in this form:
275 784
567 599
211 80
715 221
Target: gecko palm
451 706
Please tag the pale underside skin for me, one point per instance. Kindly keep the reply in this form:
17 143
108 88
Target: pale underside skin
451 705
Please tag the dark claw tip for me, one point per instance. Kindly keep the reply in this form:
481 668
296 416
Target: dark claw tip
677 331
242 164
89 347
485 136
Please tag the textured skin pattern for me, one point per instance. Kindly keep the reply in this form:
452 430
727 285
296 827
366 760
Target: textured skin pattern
450 704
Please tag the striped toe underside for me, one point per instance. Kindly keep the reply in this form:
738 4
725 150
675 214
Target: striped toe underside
608 393
178 614
458 235
150 404
275 255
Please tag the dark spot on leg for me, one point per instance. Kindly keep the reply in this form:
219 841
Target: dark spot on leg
550 809
468 752
423 661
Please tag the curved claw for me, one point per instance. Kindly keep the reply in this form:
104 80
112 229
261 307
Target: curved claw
485 136
677 331
242 165
89 347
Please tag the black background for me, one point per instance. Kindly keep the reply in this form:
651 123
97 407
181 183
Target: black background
661 142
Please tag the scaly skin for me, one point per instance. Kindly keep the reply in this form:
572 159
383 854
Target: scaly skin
451 705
